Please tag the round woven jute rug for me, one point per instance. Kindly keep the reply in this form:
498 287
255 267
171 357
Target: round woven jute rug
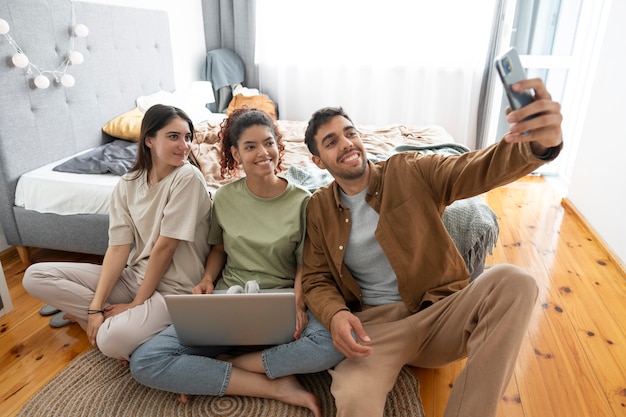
95 385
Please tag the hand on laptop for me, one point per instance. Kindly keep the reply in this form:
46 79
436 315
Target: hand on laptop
204 287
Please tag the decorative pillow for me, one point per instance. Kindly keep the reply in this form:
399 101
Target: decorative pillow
189 102
259 102
116 157
126 126
160 97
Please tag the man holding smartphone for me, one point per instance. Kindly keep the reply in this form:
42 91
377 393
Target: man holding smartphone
382 273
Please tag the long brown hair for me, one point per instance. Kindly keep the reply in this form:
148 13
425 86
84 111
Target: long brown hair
155 118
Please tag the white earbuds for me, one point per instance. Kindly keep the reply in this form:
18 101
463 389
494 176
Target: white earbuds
251 287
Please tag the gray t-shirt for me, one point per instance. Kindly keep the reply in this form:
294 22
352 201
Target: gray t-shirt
179 207
364 257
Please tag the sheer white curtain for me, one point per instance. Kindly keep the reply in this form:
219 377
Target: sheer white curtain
394 61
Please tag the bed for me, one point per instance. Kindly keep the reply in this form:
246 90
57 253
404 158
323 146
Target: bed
41 126
41 129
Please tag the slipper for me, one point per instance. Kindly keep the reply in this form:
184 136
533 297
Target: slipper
48 310
58 321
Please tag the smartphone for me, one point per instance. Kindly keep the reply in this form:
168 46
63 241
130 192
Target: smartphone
511 71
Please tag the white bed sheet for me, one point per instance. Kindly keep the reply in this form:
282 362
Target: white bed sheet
48 191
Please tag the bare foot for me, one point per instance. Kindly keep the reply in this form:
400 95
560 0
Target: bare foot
68 316
82 323
123 362
226 357
183 398
290 391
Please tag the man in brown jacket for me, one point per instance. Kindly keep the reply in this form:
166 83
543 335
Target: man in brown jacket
382 273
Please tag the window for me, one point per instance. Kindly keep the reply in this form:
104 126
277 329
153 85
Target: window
415 62
555 40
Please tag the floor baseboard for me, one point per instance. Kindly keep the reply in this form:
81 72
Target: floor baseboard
612 256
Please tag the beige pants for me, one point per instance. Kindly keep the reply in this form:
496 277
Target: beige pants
70 287
484 322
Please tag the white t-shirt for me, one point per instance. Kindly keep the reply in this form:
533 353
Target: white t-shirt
178 207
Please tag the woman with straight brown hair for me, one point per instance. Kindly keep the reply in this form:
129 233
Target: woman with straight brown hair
158 222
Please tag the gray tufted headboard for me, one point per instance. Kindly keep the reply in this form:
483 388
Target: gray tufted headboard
127 54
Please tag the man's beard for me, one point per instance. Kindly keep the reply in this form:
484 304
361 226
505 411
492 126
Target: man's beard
348 175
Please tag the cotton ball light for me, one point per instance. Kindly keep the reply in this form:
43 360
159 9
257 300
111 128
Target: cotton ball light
4 27
41 81
81 30
20 60
76 58
67 80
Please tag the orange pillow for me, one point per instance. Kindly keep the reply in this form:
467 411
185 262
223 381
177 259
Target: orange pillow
259 102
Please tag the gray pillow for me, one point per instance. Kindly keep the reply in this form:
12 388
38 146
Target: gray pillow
115 157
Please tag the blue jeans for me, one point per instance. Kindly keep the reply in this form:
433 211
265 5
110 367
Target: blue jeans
163 363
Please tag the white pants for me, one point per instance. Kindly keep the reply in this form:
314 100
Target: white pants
70 287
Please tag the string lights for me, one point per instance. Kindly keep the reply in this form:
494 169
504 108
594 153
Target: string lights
59 75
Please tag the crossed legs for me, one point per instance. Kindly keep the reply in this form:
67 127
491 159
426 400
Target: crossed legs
70 287
163 363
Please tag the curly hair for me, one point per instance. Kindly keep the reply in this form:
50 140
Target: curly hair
233 127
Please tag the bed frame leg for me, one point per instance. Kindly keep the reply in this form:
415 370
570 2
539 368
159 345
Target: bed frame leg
24 254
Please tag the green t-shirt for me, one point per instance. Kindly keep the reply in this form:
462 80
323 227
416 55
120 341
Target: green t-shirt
263 237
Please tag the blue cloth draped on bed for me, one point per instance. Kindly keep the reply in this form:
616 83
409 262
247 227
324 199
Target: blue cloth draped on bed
223 68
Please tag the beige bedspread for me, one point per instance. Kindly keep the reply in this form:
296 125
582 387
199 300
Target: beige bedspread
378 141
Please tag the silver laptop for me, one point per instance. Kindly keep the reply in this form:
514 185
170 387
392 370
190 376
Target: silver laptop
219 319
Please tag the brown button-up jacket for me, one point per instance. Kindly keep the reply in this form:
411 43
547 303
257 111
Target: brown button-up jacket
409 191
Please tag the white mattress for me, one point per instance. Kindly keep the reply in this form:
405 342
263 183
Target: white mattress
48 191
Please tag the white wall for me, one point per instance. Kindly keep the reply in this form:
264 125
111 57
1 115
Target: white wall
186 31
597 187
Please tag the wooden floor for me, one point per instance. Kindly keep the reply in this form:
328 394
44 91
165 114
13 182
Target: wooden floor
572 362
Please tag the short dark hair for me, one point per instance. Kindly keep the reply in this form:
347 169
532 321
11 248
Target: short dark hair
319 118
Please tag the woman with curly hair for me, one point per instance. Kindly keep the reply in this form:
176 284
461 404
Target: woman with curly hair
257 234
